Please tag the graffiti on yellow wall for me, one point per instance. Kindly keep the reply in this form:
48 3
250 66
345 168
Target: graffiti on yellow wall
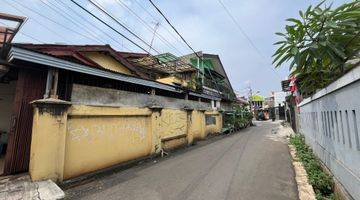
95 142
80 132
173 122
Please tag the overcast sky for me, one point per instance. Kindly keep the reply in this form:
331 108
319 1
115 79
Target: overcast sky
203 23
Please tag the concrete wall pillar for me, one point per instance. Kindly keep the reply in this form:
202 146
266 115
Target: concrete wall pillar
155 129
190 134
202 124
48 139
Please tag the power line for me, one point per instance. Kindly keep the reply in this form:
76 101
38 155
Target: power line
161 13
164 40
182 38
38 22
241 30
245 35
55 22
31 37
141 6
90 23
102 9
161 25
193 49
26 35
68 16
65 15
106 24
112 17
76 23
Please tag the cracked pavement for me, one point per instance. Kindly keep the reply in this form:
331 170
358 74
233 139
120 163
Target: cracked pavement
20 187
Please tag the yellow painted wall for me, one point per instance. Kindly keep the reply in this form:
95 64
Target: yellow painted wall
173 79
48 145
172 128
107 62
198 125
88 138
170 80
214 128
172 122
105 137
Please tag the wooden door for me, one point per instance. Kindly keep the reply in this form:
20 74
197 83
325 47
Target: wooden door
30 86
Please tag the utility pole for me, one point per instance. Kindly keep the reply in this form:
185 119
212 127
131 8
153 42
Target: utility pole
157 24
250 97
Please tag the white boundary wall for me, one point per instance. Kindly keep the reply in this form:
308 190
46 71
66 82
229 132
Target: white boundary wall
330 122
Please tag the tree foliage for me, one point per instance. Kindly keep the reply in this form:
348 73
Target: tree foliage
240 117
319 43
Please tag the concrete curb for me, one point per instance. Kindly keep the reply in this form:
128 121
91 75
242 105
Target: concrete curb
305 190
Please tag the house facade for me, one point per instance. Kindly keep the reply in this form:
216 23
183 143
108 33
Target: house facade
68 110
212 78
75 109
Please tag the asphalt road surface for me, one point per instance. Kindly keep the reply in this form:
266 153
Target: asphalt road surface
249 165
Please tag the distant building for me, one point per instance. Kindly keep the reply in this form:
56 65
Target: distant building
257 101
279 98
212 77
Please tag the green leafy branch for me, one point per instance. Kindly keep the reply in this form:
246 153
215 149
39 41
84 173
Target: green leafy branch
318 44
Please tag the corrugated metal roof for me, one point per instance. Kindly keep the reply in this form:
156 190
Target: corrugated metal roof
17 53
165 63
206 96
76 53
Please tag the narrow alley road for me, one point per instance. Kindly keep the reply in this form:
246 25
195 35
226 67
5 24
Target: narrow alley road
253 164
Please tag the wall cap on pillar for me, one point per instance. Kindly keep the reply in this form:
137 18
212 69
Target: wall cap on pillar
202 109
50 101
187 108
51 105
155 107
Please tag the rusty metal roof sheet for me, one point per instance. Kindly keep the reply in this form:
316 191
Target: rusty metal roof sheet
17 53
75 53
166 63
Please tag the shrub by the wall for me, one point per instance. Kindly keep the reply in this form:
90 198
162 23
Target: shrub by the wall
321 182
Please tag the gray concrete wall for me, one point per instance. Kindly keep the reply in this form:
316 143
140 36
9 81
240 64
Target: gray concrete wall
89 95
7 94
330 121
226 106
